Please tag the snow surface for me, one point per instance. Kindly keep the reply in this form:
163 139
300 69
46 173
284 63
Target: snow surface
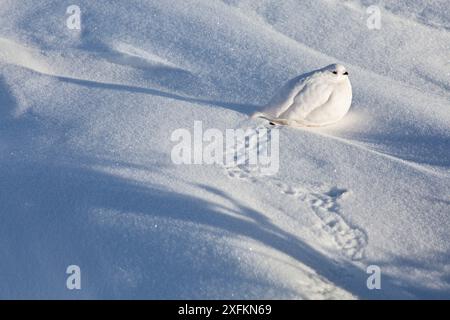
86 176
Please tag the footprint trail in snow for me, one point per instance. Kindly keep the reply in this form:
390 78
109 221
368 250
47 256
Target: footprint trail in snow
323 202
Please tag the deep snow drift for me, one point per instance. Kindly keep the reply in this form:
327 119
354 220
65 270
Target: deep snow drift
86 176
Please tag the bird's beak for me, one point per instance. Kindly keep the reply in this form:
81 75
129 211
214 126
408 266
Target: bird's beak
345 73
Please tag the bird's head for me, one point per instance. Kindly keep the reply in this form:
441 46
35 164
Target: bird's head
337 72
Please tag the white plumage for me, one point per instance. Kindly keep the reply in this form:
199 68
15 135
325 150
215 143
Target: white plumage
318 98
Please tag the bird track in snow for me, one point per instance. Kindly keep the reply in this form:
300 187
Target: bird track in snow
323 202
350 239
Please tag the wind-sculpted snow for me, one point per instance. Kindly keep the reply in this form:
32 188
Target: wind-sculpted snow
87 179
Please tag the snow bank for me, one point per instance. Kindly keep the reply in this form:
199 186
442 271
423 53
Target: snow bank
86 176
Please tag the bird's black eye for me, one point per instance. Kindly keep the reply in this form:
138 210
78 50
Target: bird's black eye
345 73
334 72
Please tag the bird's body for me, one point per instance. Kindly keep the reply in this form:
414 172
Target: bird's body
318 98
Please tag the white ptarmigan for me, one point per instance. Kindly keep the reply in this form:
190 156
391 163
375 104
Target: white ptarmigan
315 99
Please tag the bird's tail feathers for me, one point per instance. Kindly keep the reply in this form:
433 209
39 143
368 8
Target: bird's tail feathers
291 123
284 122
